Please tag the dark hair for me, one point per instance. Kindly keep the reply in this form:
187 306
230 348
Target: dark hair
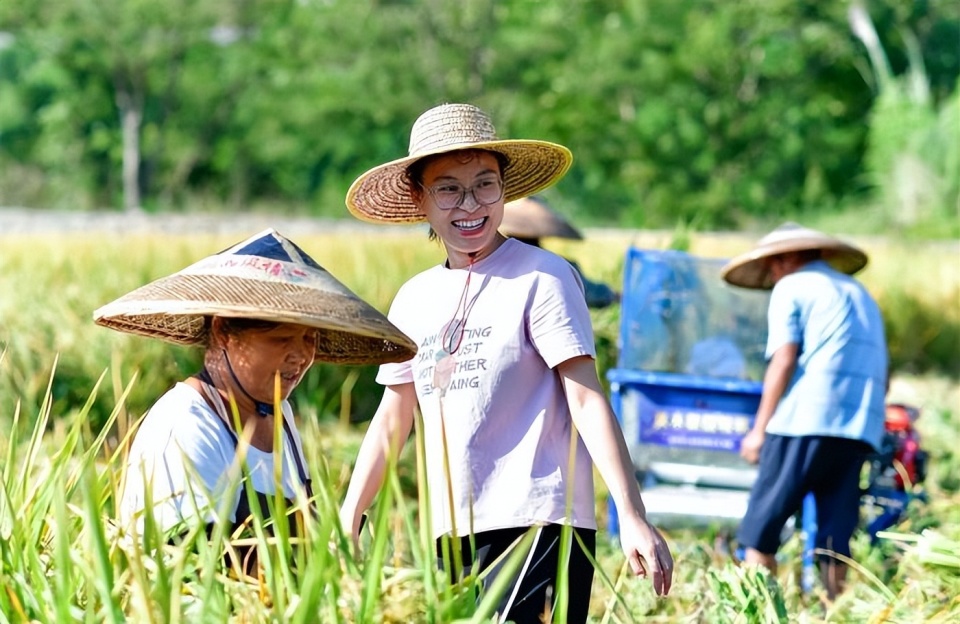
803 256
234 326
809 255
529 241
414 171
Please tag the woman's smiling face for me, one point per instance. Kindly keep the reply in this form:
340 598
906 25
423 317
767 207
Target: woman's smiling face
470 229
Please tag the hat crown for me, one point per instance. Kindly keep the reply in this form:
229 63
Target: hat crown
271 244
265 277
792 231
750 269
450 125
268 256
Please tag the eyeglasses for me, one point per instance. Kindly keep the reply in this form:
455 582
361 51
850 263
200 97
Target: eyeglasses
449 195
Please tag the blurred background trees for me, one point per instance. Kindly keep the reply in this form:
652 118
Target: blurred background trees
713 113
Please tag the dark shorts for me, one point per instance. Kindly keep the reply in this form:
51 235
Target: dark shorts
790 467
534 591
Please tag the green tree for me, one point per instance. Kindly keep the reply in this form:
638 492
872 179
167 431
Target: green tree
127 54
706 112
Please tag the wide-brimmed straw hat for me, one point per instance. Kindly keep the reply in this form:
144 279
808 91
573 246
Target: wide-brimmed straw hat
750 271
532 217
382 194
265 277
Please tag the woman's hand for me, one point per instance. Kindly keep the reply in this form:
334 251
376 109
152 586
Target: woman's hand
647 552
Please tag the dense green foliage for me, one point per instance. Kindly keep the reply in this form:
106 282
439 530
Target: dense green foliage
712 112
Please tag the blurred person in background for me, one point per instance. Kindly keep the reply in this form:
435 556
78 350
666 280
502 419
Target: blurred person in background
530 219
513 412
822 407
264 311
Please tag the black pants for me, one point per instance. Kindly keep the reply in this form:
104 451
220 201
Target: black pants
533 592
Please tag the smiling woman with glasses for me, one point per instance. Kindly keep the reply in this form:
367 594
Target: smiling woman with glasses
514 416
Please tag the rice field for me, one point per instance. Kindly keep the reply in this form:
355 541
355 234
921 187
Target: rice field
71 392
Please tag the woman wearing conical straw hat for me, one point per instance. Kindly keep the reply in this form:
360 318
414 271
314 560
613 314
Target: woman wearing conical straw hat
513 412
531 219
264 311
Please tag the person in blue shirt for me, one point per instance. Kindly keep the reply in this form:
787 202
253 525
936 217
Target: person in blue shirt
822 407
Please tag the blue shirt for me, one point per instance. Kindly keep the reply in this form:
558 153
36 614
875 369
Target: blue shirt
839 384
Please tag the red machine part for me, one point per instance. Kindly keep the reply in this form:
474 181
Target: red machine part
899 425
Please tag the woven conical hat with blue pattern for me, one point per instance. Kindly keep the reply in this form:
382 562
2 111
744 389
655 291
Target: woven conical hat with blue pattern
265 277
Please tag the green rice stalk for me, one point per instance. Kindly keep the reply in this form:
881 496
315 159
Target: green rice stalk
346 396
431 592
63 590
39 426
617 596
102 576
373 572
514 558
453 543
562 600
282 550
870 576
930 547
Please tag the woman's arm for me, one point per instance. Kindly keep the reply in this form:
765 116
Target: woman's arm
385 437
644 547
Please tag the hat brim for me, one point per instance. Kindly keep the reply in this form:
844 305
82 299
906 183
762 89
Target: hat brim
749 270
383 194
530 218
173 309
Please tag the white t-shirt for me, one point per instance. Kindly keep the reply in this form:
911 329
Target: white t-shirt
183 453
507 423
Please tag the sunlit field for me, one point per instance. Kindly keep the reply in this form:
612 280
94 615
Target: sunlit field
71 392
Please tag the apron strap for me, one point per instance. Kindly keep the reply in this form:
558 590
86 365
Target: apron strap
215 401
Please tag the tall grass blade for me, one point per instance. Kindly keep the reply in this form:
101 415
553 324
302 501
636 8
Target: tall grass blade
374 567
430 589
102 572
876 582
40 425
513 559
617 597
346 394
63 592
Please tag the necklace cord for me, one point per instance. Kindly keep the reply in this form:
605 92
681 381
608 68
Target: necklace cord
458 324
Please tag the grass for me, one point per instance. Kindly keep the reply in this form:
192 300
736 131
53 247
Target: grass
63 559
65 421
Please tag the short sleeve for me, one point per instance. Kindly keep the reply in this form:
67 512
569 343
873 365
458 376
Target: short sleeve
560 326
180 460
783 318
396 373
